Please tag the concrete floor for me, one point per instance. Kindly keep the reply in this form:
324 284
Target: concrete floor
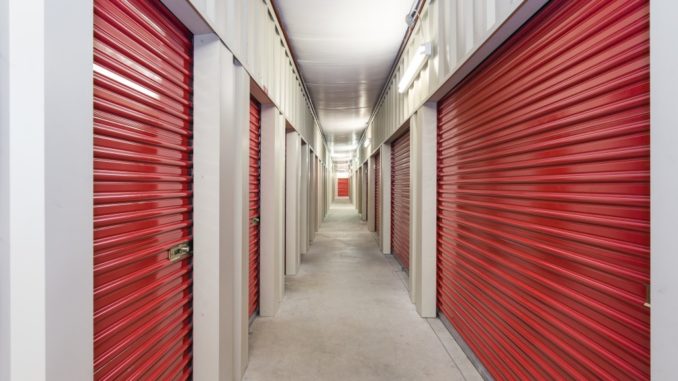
347 316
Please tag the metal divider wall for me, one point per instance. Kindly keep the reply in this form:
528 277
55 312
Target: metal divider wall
359 190
543 198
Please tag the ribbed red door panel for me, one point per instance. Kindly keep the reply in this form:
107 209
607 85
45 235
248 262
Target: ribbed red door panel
142 192
400 200
365 190
255 155
342 187
543 198
377 194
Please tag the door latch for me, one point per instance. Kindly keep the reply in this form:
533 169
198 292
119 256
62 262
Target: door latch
179 252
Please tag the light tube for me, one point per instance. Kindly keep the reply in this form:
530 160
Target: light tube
416 63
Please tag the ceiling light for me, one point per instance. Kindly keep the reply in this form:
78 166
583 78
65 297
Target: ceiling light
342 154
343 148
342 157
416 63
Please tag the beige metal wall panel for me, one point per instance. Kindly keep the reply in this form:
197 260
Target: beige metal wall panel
249 30
456 29
228 19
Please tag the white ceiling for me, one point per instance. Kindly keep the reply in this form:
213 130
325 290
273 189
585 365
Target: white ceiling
344 49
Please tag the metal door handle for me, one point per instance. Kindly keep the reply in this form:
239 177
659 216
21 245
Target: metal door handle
179 251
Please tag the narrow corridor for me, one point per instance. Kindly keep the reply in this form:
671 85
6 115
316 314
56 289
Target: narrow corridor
219 190
347 316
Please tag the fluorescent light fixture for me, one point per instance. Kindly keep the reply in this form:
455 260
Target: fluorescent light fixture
342 157
342 154
343 148
416 63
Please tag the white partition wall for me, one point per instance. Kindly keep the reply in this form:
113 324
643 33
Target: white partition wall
4 192
385 189
328 179
321 196
293 199
423 213
303 203
46 208
220 194
311 196
356 189
358 193
272 265
664 188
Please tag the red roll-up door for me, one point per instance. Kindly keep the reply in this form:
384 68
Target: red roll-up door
255 155
543 198
342 187
377 194
142 192
400 200
365 191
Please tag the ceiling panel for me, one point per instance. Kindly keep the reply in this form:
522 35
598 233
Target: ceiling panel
344 50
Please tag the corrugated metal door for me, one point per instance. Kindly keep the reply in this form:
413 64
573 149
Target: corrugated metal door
142 192
543 198
254 173
365 191
359 189
342 187
400 200
377 194
314 200
312 215
318 201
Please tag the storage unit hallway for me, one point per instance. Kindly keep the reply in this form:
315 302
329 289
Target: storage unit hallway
360 190
347 315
